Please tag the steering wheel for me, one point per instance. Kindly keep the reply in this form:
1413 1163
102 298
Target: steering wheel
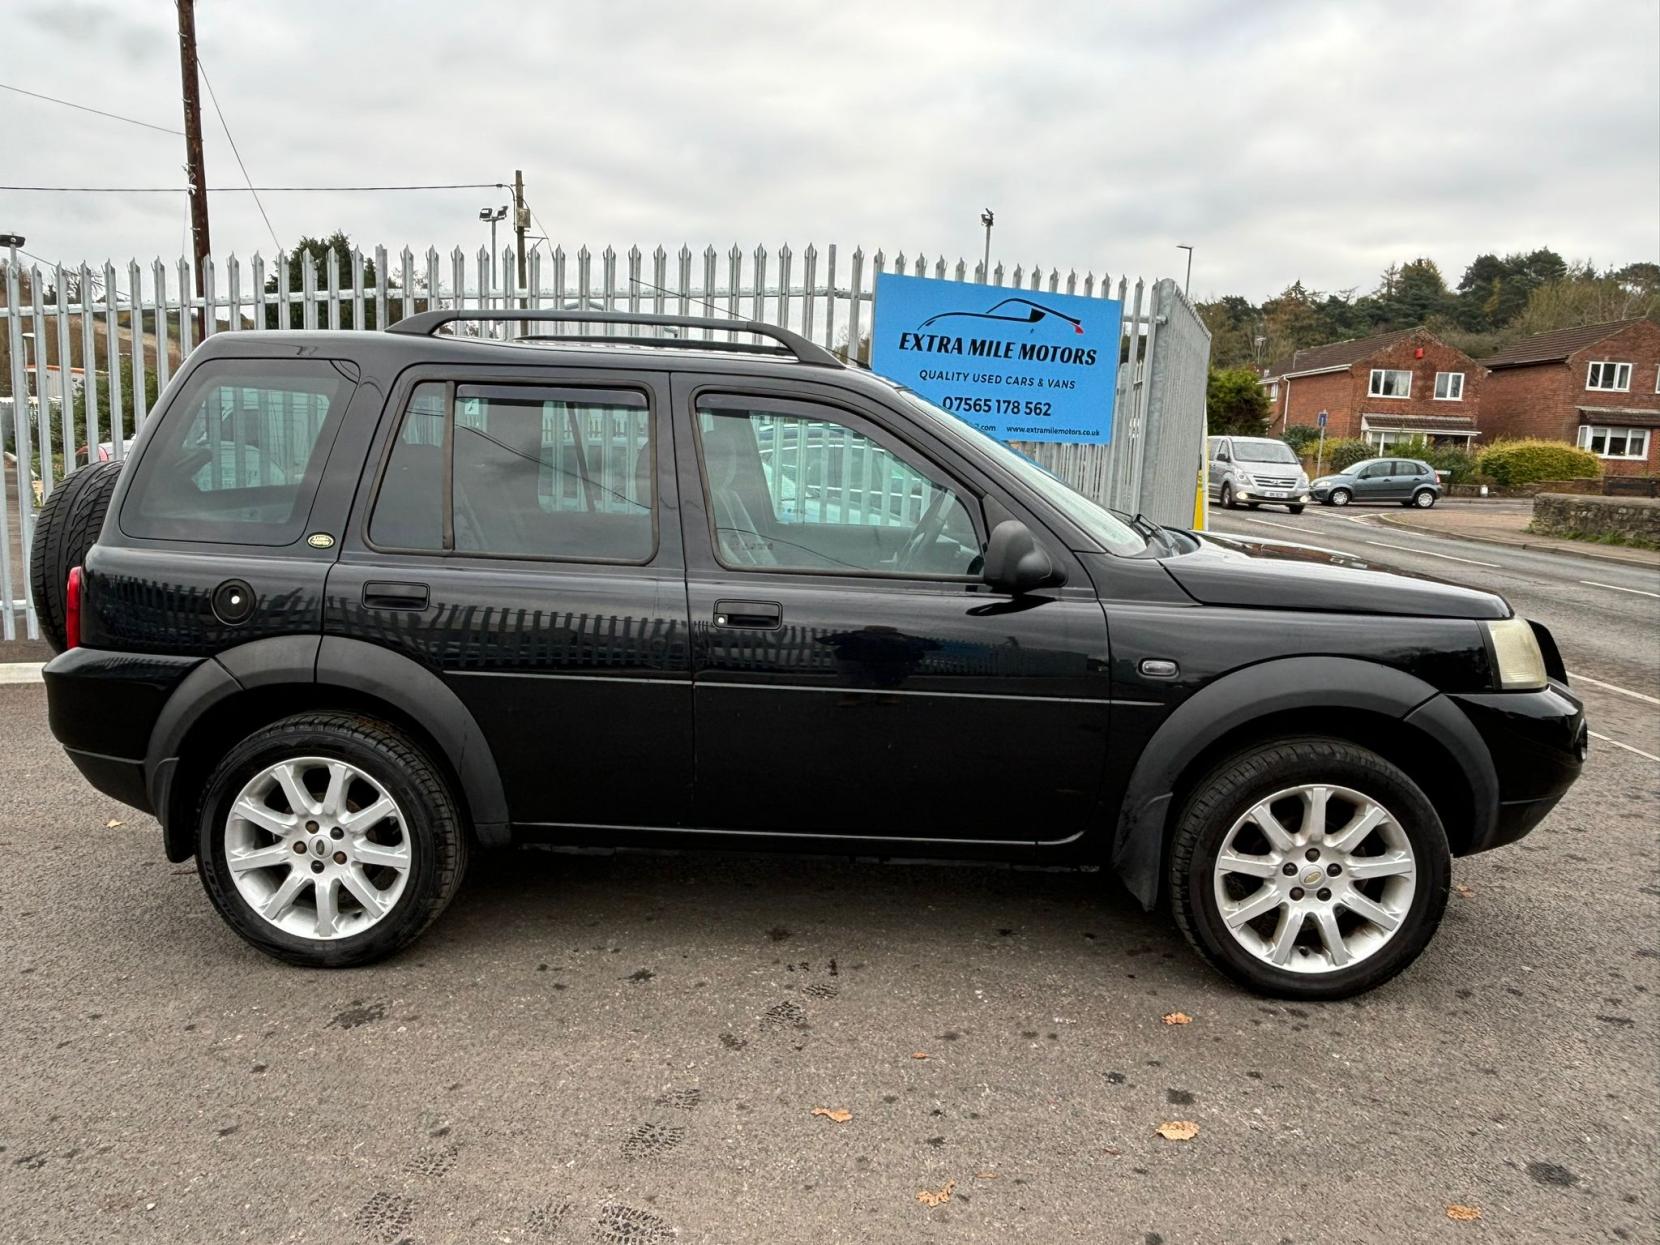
927 532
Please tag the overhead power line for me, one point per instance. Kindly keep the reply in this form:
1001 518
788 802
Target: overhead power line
220 190
224 125
98 112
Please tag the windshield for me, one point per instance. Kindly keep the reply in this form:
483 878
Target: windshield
1263 452
1113 533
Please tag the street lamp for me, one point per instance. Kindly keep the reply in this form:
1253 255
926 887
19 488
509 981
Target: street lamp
1187 284
493 217
987 219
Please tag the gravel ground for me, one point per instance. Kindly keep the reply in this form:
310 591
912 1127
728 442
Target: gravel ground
631 1049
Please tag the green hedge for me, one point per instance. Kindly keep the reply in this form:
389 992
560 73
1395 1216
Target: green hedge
1511 464
1301 438
1345 452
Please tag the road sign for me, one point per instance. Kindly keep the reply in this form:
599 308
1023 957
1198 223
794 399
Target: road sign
1022 366
1322 419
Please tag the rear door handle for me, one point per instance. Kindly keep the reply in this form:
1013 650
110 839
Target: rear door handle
749 615
379 594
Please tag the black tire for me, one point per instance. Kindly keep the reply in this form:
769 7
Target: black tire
1237 784
1226 498
66 527
1295 509
1419 499
1340 497
433 824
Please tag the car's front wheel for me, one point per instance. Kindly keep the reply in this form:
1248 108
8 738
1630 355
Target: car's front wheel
329 839
1227 497
1341 497
1311 868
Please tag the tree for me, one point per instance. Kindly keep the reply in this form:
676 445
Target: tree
317 250
1236 404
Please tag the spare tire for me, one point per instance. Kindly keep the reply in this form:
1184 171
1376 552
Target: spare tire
66 527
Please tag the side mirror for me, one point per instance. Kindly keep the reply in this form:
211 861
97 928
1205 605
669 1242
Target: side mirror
1015 562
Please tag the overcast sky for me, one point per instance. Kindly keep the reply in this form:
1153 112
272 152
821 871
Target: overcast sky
1284 140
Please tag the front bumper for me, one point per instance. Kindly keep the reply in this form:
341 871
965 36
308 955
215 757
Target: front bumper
1291 497
1538 742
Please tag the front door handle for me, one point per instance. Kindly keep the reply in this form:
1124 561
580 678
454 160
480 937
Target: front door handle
384 595
749 615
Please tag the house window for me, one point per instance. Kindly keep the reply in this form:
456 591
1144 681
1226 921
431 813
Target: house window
1614 442
1613 376
1388 382
1449 386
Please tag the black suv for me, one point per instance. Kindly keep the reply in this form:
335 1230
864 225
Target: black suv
363 602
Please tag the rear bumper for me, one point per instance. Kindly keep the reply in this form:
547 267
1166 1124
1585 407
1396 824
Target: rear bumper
102 707
1538 741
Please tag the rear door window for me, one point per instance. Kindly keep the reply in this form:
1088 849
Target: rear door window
239 454
521 471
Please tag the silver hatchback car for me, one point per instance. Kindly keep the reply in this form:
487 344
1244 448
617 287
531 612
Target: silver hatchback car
1248 471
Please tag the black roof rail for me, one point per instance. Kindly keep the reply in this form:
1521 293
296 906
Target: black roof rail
425 323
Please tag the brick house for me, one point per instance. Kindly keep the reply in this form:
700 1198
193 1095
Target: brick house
1386 389
1597 385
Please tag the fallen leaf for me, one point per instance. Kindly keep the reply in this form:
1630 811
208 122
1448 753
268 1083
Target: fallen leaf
113 822
1464 892
929 1198
1463 1214
1178 1018
987 1176
840 1115
1178 1130
919 1054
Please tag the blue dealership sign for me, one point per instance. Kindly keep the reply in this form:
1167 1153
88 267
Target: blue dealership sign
1020 365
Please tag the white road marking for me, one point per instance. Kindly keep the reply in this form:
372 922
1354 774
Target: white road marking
21 672
1295 527
1384 544
1646 755
1591 583
1613 687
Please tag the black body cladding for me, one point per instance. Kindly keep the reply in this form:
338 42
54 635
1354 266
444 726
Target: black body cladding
881 697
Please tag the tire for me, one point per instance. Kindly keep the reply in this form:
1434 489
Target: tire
1340 497
1226 498
1424 498
66 527
425 825
1222 811
1295 509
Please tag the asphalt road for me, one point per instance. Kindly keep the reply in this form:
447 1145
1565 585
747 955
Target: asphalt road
630 1049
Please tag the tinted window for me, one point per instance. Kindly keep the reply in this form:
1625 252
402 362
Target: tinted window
795 487
238 455
535 472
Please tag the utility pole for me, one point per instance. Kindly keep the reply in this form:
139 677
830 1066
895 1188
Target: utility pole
193 153
521 222
987 219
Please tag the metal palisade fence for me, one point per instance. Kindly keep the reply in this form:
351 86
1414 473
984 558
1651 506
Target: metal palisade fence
90 348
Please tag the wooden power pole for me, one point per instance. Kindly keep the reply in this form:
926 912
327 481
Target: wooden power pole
193 152
521 219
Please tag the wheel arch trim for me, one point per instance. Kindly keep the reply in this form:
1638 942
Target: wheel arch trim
1262 691
321 662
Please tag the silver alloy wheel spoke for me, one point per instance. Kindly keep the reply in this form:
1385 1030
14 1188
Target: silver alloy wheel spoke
306 862
1304 897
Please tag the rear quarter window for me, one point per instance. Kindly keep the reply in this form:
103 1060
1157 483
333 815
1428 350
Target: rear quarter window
238 455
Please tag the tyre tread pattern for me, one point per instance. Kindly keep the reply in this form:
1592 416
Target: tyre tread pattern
449 846
68 524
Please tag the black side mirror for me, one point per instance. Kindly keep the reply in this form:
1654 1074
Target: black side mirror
1015 562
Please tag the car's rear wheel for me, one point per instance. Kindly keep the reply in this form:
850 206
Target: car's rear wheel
1312 868
67 526
1341 497
1424 498
329 839
1227 497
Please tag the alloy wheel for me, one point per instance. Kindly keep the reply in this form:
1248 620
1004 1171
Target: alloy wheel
1424 500
1340 497
1314 878
317 848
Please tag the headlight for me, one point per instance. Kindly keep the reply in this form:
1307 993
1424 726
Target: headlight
1516 649
1302 479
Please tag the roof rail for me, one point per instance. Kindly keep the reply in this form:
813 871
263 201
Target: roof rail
425 323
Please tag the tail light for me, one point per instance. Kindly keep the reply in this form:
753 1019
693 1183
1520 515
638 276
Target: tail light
72 609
